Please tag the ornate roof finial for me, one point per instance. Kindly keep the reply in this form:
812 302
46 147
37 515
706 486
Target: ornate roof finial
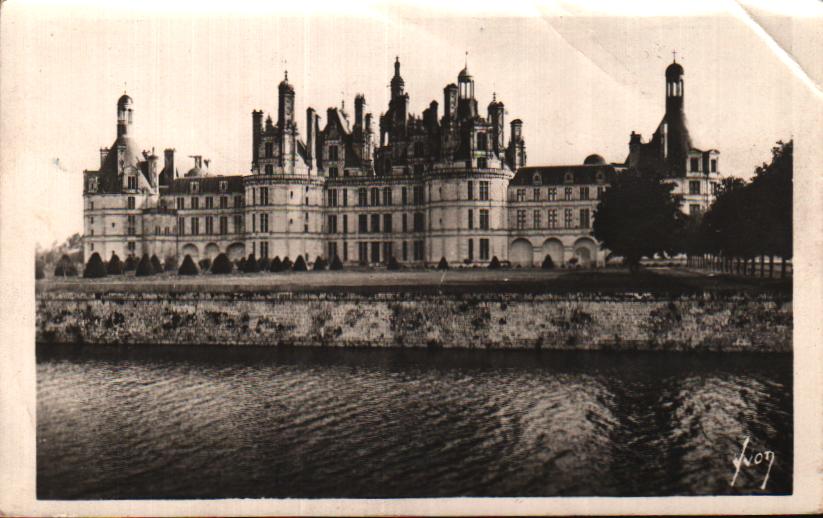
494 96
466 63
286 75
674 56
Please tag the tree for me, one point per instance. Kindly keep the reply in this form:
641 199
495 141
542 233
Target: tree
286 264
155 262
263 264
494 264
443 264
144 267
336 264
548 263
276 265
188 267
65 267
393 264
251 264
300 264
637 217
204 264
319 264
39 269
115 266
171 263
130 264
94 268
221 265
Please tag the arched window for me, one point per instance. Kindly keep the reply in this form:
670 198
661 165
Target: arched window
537 179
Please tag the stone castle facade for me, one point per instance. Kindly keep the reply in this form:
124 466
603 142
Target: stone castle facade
420 189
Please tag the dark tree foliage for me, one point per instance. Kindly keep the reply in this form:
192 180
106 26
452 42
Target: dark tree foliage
115 266
300 264
131 264
638 217
319 264
286 264
263 264
276 265
171 263
188 267
251 264
548 263
336 264
443 264
144 267
393 264
494 264
65 267
221 265
241 264
39 269
155 262
95 268
204 264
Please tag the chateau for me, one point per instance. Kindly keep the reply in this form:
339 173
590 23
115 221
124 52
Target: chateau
421 188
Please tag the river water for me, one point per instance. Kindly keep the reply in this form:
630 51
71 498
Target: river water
200 422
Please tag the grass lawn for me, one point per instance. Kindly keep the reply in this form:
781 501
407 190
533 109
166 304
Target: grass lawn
672 281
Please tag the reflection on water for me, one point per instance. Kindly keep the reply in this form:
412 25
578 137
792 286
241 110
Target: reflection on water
218 422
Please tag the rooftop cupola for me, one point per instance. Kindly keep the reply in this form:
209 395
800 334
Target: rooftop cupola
397 83
465 82
124 114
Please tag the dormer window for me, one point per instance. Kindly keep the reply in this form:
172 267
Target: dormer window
194 187
568 177
600 177
93 184
131 182
224 186
537 179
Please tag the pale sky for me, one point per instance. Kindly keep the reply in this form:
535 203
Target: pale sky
581 77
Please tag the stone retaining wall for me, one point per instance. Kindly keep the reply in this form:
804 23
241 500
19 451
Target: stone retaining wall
490 320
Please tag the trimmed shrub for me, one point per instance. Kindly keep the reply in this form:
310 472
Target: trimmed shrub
144 267
494 264
393 264
263 264
115 266
241 264
251 264
548 263
275 265
221 265
204 264
300 264
171 263
319 264
65 267
155 262
39 269
443 264
130 265
94 268
188 267
336 264
286 264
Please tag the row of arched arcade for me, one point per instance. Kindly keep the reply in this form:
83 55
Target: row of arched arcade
567 250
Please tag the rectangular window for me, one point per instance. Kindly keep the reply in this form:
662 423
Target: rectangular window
345 246
131 202
363 223
419 222
567 216
404 196
332 250
254 222
332 219
157 231
552 218
713 164
238 201
584 218
470 193
694 187
694 209
132 181
180 203
567 193
405 251
600 193
405 220
238 223
471 219
345 197
521 219
471 250
418 250
481 163
209 225
333 172
345 224
375 251
209 202
484 219
584 193
195 226
484 191
131 246
484 249
387 223
552 194
375 196
387 251
331 197
362 197
224 225
306 223
181 226
264 249
386 195
694 165
418 195
224 202
269 149
536 194
521 194
195 203
132 223
333 152
363 252
536 219
375 223
264 196
264 222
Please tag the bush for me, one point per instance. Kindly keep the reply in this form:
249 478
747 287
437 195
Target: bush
275 265
188 267
39 269
251 264
286 264
131 264
171 263
115 266
336 264
94 268
155 262
443 264
548 263
221 265
241 264
300 264
393 264
494 264
319 264
204 264
144 267
65 267
263 264
573 262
